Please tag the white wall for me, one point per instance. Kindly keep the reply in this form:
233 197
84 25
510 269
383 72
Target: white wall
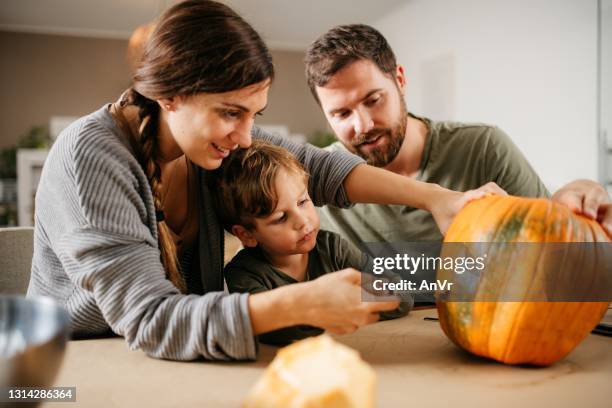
606 89
528 66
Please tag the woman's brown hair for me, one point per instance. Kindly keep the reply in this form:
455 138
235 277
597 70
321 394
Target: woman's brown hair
196 46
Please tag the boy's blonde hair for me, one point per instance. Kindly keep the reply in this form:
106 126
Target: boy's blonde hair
243 187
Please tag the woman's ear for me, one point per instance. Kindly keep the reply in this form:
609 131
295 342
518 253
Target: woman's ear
168 104
245 236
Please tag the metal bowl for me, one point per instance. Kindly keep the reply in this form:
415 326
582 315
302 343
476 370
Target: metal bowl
33 335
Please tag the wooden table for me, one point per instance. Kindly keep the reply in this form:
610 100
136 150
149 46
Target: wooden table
417 366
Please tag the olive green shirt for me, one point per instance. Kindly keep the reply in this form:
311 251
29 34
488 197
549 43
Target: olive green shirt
249 271
458 156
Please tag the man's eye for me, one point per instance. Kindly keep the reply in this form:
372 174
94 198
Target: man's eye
343 114
372 101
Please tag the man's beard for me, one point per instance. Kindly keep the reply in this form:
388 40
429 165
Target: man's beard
385 154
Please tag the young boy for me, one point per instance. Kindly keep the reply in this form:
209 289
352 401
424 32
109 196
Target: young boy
262 196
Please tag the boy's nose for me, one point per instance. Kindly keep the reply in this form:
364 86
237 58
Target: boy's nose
301 222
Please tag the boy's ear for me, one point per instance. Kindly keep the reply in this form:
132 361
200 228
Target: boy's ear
244 235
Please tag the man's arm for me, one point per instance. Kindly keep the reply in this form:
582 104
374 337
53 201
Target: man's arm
510 169
514 174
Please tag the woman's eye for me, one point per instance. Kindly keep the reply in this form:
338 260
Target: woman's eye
231 114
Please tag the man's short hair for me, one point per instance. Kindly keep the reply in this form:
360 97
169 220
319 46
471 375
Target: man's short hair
343 45
243 188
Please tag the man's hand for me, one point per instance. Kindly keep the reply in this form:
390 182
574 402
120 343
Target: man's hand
587 198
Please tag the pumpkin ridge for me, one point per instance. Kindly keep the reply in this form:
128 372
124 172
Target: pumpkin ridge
508 354
523 319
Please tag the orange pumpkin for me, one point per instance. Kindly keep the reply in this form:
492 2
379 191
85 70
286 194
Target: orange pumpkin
520 332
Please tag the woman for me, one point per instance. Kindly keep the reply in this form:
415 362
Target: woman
126 237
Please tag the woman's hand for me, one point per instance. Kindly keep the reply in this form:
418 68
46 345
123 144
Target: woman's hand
444 204
587 198
333 302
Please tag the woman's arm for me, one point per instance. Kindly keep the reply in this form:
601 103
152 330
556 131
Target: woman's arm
340 178
332 302
368 184
98 218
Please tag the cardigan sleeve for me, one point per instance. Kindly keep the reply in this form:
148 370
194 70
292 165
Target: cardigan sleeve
327 169
109 250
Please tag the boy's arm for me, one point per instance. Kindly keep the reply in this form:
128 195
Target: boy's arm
349 256
288 335
242 280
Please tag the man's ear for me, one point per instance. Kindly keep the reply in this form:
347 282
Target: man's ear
400 78
244 235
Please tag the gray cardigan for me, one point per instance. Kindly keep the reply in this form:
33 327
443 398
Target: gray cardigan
96 251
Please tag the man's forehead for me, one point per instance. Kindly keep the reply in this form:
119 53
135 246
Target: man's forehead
355 73
333 99
352 84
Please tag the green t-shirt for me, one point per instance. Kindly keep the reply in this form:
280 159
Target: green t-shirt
458 156
249 271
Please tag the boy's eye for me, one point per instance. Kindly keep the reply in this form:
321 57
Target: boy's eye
304 201
280 220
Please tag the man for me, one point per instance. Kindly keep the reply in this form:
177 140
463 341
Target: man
353 75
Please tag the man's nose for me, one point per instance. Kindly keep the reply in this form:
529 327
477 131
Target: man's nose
363 122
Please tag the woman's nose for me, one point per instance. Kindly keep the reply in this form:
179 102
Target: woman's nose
242 137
